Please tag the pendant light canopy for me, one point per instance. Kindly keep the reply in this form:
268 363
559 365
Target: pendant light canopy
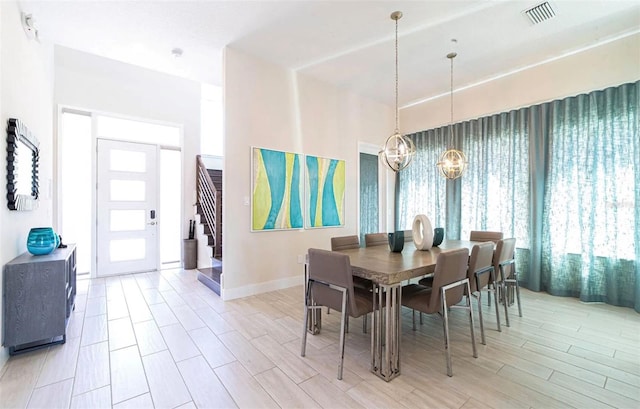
452 162
398 150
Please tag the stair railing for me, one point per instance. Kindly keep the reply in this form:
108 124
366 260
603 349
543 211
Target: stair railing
210 205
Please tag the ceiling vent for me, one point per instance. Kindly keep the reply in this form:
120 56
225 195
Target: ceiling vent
540 13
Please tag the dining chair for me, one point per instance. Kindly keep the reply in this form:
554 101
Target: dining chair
352 242
485 235
345 242
376 239
330 284
504 264
449 285
481 274
482 235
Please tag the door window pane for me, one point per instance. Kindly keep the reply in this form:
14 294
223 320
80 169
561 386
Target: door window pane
127 220
127 190
76 185
127 250
170 202
127 161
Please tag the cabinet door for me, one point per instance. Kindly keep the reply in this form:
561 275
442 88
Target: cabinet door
35 302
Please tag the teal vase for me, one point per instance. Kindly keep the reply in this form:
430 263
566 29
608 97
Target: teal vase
396 241
42 240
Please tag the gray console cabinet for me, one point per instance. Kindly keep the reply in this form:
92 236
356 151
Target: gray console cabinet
38 296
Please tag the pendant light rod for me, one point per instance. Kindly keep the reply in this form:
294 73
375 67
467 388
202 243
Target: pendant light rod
396 15
451 56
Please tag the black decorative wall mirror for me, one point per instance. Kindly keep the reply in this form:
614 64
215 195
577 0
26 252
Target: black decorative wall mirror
22 167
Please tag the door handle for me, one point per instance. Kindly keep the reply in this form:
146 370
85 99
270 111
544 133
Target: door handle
152 223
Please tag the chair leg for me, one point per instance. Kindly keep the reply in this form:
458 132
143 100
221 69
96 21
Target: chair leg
471 324
413 319
484 342
492 279
364 323
343 322
503 286
347 326
304 327
328 310
515 277
445 321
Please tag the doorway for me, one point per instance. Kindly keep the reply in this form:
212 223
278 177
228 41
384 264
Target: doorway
79 218
127 208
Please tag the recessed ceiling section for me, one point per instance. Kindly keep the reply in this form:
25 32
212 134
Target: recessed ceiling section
348 44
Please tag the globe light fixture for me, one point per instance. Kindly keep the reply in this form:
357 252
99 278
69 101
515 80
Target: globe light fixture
398 150
452 163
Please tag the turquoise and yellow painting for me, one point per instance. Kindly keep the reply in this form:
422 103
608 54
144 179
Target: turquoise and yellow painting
325 192
277 190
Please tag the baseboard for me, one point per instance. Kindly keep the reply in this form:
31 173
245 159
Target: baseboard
259 288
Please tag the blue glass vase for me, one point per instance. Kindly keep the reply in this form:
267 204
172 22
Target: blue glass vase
42 240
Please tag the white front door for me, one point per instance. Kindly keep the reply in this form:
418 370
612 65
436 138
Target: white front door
127 217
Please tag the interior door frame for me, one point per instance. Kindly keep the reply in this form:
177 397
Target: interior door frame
55 189
371 149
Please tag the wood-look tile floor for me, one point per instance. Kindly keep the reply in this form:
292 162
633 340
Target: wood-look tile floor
164 340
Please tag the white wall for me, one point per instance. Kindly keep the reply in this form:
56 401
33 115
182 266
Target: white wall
607 65
26 93
91 82
268 106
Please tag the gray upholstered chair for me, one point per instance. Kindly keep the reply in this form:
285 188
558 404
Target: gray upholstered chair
485 235
449 285
376 239
345 242
481 274
504 264
352 242
330 284
481 235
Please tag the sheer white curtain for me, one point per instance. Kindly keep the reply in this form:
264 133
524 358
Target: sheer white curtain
591 240
421 189
495 188
562 177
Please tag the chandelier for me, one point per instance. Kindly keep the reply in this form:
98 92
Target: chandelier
398 150
452 162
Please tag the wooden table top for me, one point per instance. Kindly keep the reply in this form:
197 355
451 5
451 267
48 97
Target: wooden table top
382 266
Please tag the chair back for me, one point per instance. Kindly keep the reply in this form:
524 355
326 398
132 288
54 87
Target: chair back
345 243
330 268
480 235
376 239
481 257
505 250
451 266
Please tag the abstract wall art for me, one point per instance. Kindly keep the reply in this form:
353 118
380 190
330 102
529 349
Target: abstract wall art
325 184
276 190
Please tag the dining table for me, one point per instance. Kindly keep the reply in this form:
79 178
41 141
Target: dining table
388 271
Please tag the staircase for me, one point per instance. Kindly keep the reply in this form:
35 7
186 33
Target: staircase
208 212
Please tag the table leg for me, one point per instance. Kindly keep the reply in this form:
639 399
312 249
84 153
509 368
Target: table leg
385 331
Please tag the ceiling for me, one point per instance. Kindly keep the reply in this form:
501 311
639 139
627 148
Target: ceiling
346 43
